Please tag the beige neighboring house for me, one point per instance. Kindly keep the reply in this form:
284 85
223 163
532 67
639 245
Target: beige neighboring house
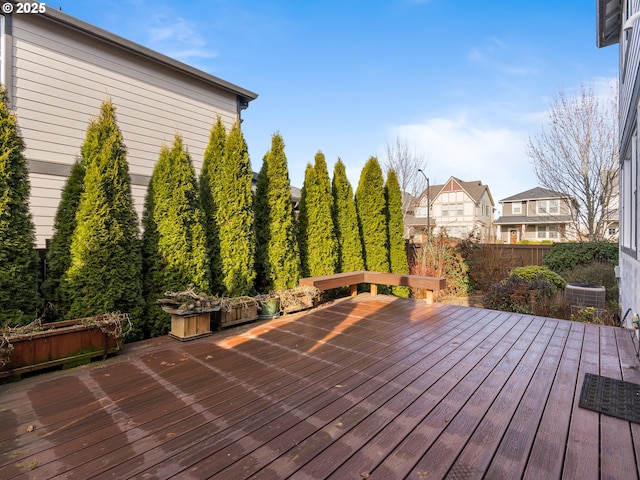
457 208
58 70
537 215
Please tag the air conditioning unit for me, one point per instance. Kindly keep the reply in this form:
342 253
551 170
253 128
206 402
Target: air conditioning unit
585 295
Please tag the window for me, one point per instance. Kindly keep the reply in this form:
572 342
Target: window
421 211
445 210
548 207
547 231
516 208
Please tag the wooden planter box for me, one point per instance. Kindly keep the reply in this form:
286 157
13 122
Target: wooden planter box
302 302
241 313
67 343
190 324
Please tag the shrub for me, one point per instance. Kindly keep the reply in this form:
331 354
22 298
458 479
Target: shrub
488 263
174 236
210 187
236 217
441 257
395 226
278 258
372 219
59 252
516 294
105 273
19 299
319 245
533 271
346 221
565 256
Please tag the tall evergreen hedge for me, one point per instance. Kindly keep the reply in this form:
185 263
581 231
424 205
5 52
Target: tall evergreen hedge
398 262
303 221
321 245
59 251
345 220
174 242
236 217
372 216
19 299
210 191
106 262
278 258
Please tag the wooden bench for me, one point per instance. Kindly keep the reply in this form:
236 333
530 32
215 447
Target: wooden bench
352 279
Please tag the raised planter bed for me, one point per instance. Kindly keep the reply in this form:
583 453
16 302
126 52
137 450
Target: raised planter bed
190 324
235 313
66 343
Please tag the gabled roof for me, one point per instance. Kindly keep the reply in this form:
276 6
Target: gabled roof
475 189
537 193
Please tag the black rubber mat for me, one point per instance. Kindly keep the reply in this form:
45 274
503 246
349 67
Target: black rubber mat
611 397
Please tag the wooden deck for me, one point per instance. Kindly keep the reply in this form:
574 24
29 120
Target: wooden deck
368 387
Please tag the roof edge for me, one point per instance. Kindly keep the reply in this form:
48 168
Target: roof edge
137 49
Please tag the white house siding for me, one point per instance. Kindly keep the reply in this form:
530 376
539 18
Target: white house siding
59 79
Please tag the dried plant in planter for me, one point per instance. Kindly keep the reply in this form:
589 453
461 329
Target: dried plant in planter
192 300
297 298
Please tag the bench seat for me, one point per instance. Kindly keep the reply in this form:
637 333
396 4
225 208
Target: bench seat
352 279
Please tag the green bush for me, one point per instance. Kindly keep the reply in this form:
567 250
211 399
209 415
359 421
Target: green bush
372 217
19 299
105 273
277 255
533 271
59 252
346 221
565 256
516 294
395 227
174 244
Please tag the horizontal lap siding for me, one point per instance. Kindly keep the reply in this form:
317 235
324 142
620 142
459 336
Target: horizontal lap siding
60 78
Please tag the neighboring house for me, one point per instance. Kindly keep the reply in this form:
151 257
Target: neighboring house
619 22
58 70
456 208
537 214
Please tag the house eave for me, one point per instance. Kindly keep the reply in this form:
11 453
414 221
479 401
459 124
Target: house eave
67 21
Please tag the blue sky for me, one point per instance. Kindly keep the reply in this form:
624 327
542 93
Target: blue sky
464 83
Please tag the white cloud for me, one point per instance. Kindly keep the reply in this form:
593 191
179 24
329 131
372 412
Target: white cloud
470 150
178 38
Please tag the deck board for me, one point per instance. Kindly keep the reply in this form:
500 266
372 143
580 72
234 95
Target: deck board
367 387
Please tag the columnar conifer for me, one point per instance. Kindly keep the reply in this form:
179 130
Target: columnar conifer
395 226
303 221
372 218
278 258
105 270
19 299
59 252
321 244
210 191
236 217
174 237
346 222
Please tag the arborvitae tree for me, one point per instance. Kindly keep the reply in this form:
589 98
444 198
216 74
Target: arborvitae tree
346 222
59 252
278 258
321 245
372 218
235 217
395 227
303 221
106 262
210 187
19 299
174 237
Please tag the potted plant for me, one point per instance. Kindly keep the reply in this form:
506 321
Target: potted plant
190 313
268 306
70 342
298 298
235 310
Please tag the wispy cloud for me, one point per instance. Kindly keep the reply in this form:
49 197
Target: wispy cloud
465 148
178 38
